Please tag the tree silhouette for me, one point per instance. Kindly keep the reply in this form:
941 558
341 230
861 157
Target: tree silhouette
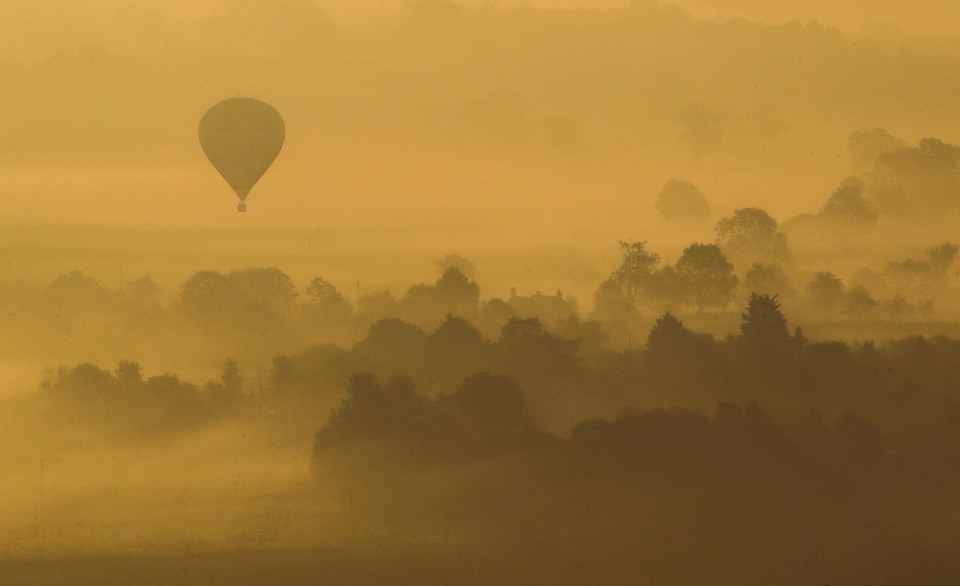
210 297
494 314
459 347
85 380
898 307
847 208
764 330
636 269
465 266
942 257
250 308
923 181
326 307
529 347
452 293
682 201
391 418
268 288
376 306
671 347
589 334
923 278
395 344
858 301
750 235
708 274
768 278
825 292
457 335
668 290
321 291
130 374
488 405
77 292
866 146
143 290
230 377
612 304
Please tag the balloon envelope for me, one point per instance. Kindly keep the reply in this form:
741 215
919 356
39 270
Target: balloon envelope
241 137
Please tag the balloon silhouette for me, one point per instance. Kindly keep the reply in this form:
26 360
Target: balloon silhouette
241 137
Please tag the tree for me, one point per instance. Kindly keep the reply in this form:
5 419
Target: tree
750 235
326 304
920 182
845 214
230 377
268 288
455 331
671 346
866 146
488 405
636 269
373 411
667 334
768 278
144 289
224 393
847 208
898 307
452 293
942 257
75 291
459 345
130 374
708 274
84 380
682 201
613 308
494 314
763 327
592 339
252 307
528 343
321 291
209 297
376 306
923 277
857 301
462 264
394 343
825 292
612 304
668 290
460 293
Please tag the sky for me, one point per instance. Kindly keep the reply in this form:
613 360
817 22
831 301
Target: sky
400 113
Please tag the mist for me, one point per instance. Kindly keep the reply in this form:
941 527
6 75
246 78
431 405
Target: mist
533 293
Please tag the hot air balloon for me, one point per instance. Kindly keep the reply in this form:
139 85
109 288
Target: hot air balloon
241 137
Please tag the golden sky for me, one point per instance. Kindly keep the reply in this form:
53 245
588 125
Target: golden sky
427 111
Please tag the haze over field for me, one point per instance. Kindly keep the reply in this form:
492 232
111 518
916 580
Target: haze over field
535 292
